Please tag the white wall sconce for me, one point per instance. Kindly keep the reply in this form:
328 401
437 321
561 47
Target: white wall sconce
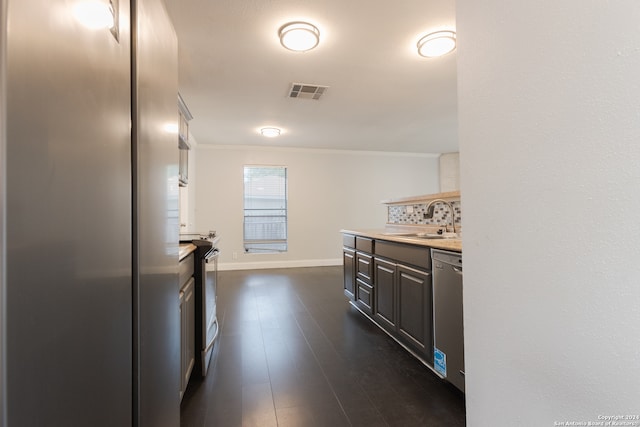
437 44
299 36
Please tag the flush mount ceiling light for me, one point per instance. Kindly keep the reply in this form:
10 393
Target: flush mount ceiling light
299 36
437 44
270 132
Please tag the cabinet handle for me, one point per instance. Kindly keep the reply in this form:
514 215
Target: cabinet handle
462 373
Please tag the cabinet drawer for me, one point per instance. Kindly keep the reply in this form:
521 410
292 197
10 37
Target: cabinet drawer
185 269
364 296
364 244
418 256
349 240
364 267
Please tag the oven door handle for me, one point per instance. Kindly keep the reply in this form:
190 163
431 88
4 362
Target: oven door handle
211 255
213 340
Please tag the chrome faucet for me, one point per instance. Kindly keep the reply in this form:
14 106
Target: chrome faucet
431 207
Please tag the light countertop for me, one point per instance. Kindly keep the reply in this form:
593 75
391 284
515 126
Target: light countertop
185 250
388 234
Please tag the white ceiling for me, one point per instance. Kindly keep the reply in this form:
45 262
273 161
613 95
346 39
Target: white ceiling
382 96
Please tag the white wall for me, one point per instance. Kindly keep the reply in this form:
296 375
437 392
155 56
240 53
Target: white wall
449 172
328 191
550 175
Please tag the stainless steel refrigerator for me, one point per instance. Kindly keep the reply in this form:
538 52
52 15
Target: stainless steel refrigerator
90 246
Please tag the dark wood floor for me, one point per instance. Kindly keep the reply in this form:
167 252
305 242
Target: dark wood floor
293 352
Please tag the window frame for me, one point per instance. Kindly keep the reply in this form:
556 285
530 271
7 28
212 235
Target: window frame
273 236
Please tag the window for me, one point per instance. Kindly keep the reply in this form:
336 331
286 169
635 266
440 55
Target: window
265 209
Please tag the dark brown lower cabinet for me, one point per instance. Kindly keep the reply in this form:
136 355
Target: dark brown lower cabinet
403 305
348 258
392 284
415 313
365 287
386 300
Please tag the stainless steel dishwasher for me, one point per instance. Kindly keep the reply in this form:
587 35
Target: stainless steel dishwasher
448 340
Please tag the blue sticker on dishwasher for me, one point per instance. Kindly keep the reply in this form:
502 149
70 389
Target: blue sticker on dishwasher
440 362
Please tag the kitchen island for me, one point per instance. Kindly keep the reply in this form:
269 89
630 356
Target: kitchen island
388 277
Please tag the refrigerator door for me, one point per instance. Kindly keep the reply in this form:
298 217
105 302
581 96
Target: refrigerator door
68 213
156 219
3 203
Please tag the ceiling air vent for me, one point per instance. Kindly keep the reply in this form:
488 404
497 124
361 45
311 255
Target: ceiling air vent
306 91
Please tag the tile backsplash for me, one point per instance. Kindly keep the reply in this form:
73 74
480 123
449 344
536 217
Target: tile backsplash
415 214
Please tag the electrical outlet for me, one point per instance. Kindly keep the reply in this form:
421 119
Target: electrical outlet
235 255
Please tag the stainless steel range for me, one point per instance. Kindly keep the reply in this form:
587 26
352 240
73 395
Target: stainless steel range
206 281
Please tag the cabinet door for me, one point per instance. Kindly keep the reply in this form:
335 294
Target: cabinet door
183 386
415 322
187 333
189 310
348 257
385 296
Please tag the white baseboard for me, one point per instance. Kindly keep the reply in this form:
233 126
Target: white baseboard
226 266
